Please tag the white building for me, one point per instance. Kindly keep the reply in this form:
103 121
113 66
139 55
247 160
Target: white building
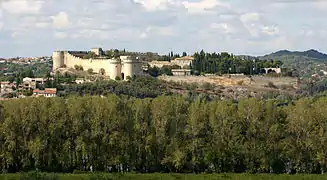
159 64
181 72
36 80
183 61
7 87
47 92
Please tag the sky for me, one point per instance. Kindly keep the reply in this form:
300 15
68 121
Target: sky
245 27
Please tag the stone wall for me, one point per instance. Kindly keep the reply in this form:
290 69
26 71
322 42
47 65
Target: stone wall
112 67
95 64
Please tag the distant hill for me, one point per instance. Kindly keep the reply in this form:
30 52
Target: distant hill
306 62
309 54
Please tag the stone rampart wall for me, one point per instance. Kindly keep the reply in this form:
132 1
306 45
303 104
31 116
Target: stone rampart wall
112 67
95 64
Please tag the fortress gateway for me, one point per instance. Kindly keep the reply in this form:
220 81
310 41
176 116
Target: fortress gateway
122 67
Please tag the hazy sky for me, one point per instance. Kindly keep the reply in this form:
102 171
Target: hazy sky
256 27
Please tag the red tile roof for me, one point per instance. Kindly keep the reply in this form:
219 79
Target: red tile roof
50 91
46 91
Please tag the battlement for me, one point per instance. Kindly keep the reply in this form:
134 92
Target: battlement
114 60
129 59
113 67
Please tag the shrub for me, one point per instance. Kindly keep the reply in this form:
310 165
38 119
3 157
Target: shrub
219 91
230 90
207 86
271 85
102 71
128 78
286 86
90 71
240 83
78 67
191 86
117 78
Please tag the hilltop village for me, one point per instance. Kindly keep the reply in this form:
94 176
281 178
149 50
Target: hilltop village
219 75
82 111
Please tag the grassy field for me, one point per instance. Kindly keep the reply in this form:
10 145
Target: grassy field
100 176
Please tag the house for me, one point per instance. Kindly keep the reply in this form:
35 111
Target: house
79 81
185 61
7 87
31 83
159 64
323 72
47 92
274 70
9 74
181 72
36 80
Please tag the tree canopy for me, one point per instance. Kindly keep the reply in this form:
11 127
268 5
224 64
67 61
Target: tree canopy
224 63
164 134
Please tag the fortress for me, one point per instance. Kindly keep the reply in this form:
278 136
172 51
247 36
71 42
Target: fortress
122 67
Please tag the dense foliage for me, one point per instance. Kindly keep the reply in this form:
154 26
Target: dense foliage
154 176
164 134
315 87
21 71
224 63
143 56
164 70
141 87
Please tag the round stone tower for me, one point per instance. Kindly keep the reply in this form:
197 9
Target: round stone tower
131 66
58 59
114 68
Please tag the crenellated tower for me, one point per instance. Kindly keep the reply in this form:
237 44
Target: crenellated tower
114 68
58 59
131 66
122 67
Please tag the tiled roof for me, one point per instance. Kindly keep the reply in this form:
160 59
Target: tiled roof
46 91
50 90
185 58
181 70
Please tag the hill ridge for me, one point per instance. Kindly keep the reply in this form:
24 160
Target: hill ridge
311 53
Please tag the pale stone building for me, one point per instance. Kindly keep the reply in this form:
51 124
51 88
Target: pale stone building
181 72
36 80
97 51
121 67
7 87
274 70
159 64
185 61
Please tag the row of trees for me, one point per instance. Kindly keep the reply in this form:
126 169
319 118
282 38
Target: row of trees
147 56
228 63
164 134
164 70
141 87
